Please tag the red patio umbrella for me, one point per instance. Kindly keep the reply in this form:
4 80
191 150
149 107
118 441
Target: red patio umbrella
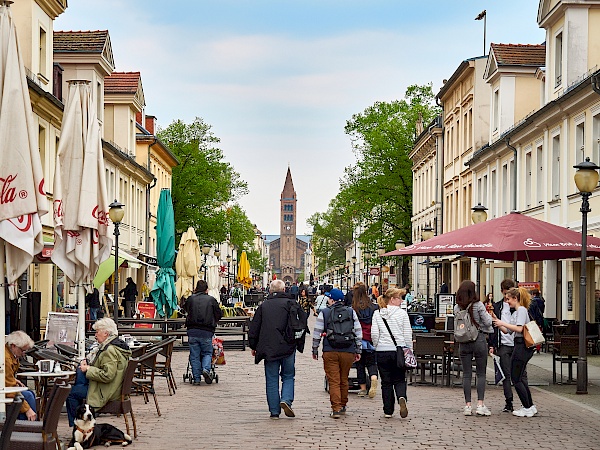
514 237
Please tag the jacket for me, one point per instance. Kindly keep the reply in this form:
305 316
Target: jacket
203 312
481 317
106 372
365 317
12 367
399 323
321 327
269 334
495 335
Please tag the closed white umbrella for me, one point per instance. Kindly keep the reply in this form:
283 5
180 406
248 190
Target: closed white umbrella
81 234
187 264
212 276
22 194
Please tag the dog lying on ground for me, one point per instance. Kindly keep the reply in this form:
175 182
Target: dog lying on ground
87 433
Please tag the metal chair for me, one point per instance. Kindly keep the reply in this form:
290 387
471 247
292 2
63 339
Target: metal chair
429 350
565 353
163 367
144 383
12 412
122 406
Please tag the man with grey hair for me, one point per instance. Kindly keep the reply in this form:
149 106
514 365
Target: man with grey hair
17 343
100 375
271 337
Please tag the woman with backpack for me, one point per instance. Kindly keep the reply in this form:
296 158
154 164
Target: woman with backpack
364 310
519 299
391 328
468 300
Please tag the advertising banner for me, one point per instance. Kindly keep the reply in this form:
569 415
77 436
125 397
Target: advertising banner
145 310
61 328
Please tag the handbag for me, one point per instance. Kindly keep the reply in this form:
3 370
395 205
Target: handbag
405 358
532 334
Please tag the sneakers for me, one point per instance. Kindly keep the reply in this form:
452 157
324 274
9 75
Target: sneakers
468 411
335 414
196 383
403 407
373 389
274 417
362 393
287 409
207 377
343 410
508 407
483 411
387 416
534 409
524 412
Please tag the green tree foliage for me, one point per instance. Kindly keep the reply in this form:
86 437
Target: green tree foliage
205 187
376 191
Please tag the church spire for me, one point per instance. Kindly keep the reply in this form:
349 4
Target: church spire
288 186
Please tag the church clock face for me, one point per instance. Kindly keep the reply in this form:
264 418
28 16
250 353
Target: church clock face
288 228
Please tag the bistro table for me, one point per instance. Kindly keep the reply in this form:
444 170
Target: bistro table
41 385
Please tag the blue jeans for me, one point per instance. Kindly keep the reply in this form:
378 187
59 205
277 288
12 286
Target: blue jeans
284 367
201 350
77 395
94 313
29 397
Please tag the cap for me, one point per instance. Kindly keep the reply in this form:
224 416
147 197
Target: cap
335 294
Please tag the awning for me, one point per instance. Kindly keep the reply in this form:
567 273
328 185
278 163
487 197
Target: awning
107 268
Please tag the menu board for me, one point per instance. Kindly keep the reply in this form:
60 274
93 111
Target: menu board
61 328
146 310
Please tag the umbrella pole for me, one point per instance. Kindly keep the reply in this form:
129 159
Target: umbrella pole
81 321
2 323
515 267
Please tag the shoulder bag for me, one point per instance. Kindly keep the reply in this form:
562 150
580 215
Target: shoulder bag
532 333
405 358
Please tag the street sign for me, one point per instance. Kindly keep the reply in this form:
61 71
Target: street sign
374 271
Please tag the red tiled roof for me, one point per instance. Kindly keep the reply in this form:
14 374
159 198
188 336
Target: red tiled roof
122 83
520 54
80 41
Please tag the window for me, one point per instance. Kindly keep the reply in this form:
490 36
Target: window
494 190
596 138
580 142
99 101
539 164
556 167
505 189
484 193
42 144
42 54
496 106
527 180
558 56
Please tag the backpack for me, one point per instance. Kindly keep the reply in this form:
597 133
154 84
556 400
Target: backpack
340 326
297 325
464 329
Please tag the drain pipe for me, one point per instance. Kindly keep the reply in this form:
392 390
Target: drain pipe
514 196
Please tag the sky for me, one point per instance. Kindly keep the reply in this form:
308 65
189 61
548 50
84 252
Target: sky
278 79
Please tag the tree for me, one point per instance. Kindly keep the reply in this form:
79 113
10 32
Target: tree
205 187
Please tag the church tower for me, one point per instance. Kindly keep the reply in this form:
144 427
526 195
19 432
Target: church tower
287 227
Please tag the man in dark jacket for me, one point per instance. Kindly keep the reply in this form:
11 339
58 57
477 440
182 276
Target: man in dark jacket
271 339
130 293
203 315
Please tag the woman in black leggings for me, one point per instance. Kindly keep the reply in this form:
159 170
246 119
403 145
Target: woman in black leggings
519 299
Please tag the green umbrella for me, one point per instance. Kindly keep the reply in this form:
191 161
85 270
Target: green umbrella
163 292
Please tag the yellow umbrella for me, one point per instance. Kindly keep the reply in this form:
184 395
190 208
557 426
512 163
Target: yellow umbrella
188 263
243 275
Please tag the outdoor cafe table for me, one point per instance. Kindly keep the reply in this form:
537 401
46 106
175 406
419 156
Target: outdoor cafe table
42 385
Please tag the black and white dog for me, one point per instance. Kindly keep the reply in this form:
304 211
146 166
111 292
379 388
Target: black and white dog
87 433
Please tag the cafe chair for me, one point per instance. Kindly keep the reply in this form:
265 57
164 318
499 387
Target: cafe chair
429 351
48 438
122 406
144 383
12 412
163 366
565 353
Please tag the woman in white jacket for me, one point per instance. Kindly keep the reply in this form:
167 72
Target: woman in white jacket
392 377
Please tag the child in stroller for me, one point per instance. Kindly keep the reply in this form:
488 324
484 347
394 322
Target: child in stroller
218 357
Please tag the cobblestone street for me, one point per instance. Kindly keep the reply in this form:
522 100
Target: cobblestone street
233 414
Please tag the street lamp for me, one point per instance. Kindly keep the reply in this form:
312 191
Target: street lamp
478 215
116 213
228 259
367 254
234 269
399 245
380 252
426 234
586 179
205 251
347 272
353 270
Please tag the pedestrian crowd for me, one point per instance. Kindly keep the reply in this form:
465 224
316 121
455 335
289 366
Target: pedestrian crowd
374 334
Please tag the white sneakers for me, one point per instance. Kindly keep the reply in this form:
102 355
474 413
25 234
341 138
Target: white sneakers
483 411
525 412
468 411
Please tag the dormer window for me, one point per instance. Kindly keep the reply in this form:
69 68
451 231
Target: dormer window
496 106
558 59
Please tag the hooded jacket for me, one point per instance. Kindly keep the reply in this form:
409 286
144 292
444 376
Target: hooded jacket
106 372
399 323
268 334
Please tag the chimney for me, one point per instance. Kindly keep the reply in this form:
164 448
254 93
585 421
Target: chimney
150 124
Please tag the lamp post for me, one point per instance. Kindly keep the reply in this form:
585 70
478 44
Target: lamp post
116 213
399 245
426 234
477 216
367 258
380 252
234 269
347 272
228 259
586 179
205 251
353 270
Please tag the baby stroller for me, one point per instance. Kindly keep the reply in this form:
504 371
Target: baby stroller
218 357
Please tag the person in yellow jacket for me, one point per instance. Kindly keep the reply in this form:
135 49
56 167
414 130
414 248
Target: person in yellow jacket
17 343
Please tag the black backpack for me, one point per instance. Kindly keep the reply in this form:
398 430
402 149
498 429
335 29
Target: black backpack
297 325
340 326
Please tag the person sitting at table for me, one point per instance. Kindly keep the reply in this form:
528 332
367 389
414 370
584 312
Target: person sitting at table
17 343
100 375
